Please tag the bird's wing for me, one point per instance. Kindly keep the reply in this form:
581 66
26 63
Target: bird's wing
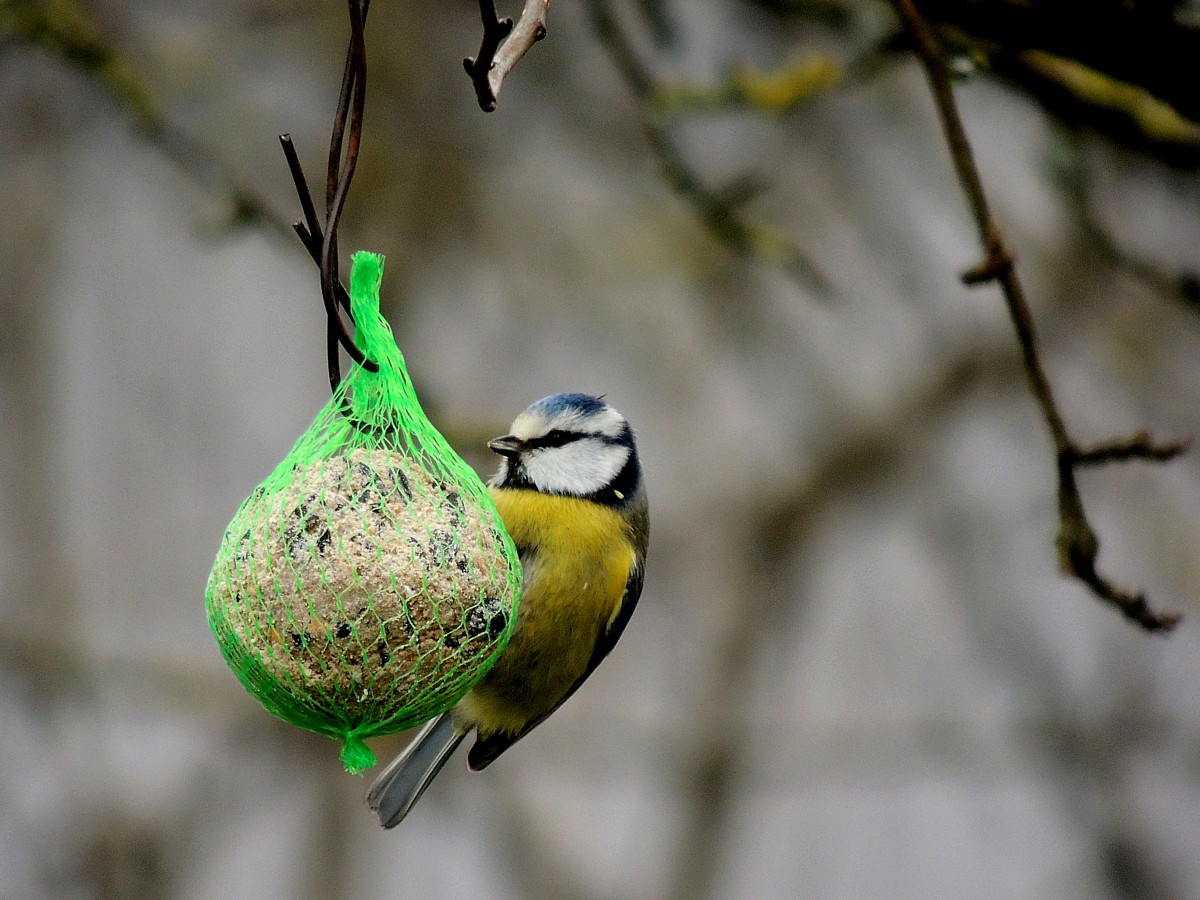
616 625
485 749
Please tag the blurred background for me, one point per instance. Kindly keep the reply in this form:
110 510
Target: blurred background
856 670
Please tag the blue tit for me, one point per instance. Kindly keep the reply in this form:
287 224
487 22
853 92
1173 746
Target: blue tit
570 493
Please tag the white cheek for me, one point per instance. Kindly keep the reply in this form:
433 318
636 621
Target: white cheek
582 467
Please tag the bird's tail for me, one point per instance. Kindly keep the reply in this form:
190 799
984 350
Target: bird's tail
400 785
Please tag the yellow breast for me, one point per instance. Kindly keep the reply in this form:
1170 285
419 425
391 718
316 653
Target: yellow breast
577 556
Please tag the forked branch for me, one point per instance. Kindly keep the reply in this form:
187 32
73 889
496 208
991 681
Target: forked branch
1077 542
502 47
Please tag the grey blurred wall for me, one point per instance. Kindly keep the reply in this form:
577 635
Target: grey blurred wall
855 671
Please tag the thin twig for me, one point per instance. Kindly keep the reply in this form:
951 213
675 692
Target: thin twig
340 173
1140 43
502 47
309 231
1139 446
1077 542
1073 178
67 31
321 243
718 210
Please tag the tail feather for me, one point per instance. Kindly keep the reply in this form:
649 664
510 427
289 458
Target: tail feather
400 785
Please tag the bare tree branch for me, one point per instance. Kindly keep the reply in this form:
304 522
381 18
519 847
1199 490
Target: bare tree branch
1173 283
65 29
1084 99
1139 43
719 210
503 47
1077 542
1139 446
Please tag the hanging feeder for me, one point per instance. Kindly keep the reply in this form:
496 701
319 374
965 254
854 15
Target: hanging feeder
368 582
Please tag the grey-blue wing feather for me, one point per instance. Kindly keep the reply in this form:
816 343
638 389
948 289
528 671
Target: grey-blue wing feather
398 787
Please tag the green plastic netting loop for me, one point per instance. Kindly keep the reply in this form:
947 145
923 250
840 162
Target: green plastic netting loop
368 582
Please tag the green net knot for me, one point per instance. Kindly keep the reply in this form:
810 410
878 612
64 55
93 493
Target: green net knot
357 757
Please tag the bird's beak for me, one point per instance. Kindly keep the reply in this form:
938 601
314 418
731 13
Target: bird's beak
509 445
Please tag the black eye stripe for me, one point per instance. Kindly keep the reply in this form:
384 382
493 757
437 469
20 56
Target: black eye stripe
559 437
556 438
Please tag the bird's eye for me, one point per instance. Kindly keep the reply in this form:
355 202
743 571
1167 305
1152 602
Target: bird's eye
554 438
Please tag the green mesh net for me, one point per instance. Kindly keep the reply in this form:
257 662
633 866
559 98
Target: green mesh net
368 583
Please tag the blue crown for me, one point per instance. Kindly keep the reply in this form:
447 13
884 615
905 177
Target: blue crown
560 403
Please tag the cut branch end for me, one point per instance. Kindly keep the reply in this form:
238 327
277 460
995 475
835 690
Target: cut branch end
503 45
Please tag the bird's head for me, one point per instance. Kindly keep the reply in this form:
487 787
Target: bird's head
570 444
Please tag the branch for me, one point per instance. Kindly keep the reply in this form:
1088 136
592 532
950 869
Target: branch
777 92
1138 43
502 47
1179 284
339 175
1077 543
719 210
66 30
1085 99
309 231
1139 446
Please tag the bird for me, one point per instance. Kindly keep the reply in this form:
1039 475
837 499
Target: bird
570 494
